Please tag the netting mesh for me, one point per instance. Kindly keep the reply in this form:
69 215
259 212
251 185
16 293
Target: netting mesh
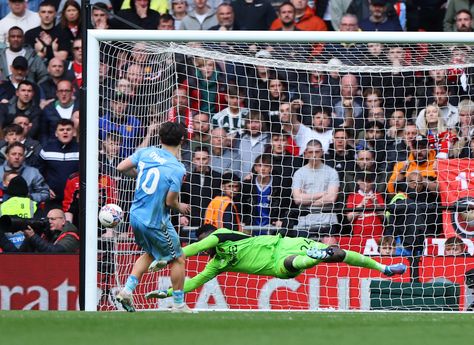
394 123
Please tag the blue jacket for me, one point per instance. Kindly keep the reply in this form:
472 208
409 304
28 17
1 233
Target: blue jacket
58 162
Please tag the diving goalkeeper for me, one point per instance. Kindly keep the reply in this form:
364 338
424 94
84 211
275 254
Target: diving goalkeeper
276 256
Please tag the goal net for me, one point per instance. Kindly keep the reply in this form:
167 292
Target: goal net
368 146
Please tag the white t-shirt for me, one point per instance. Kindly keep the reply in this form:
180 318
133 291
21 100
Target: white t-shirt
29 21
65 113
11 56
305 135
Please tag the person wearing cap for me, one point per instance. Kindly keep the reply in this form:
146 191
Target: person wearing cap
37 72
421 158
19 72
48 39
19 16
378 19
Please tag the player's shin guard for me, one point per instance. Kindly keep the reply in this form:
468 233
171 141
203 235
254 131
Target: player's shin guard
359 260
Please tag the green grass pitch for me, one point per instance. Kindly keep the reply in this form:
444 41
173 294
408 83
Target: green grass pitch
239 328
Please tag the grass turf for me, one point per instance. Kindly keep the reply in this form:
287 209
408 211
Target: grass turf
229 328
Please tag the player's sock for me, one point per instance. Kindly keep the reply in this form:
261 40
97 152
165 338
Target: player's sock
302 262
356 259
178 297
131 284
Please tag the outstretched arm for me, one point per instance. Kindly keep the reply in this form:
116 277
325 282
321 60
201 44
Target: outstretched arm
207 243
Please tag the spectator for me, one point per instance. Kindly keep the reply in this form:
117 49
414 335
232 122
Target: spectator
406 217
463 21
179 10
396 126
167 22
200 186
253 14
365 164
223 211
206 87
347 53
373 138
389 246
25 123
201 128
253 143
109 155
48 39
316 185
348 106
454 246
201 18
100 16
448 111
15 161
59 159
322 127
314 93
305 18
398 151
465 129
20 16
25 104
70 21
337 10
365 223
452 9
74 67
18 204
62 108
118 120
264 201
61 237
287 17
299 134
159 6
341 157
233 117
434 127
50 86
222 158
180 111
19 71
13 133
378 19
225 18
16 47
420 158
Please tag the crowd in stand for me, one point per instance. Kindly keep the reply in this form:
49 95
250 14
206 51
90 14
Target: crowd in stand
268 150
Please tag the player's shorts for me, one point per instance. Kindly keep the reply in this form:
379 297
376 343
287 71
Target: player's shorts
292 246
162 244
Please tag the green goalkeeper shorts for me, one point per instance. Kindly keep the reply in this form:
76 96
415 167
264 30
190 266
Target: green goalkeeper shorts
289 246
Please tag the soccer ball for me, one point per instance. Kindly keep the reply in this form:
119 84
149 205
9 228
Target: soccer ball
110 215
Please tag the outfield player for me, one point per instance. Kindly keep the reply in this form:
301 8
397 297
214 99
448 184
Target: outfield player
276 256
158 182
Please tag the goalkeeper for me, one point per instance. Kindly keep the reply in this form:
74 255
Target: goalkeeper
276 256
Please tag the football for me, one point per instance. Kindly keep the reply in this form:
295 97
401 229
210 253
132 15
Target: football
110 215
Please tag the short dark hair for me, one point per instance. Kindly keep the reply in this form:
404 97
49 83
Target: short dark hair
365 176
228 177
286 3
172 133
100 6
25 82
264 158
166 17
205 228
454 240
113 135
13 145
463 11
47 3
201 149
13 127
13 28
64 122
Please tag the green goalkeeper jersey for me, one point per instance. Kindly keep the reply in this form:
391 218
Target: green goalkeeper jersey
236 252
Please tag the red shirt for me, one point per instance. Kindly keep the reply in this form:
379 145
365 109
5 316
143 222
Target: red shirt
367 224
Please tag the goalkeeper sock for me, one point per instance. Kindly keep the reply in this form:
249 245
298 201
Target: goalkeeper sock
302 262
131 284
178 297
359 260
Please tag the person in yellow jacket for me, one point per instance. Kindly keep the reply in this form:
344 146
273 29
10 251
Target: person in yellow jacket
160 6
223 211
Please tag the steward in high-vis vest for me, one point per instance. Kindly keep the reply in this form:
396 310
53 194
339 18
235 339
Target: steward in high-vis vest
222 212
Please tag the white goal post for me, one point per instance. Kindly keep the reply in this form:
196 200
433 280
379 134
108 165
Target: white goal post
176 38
